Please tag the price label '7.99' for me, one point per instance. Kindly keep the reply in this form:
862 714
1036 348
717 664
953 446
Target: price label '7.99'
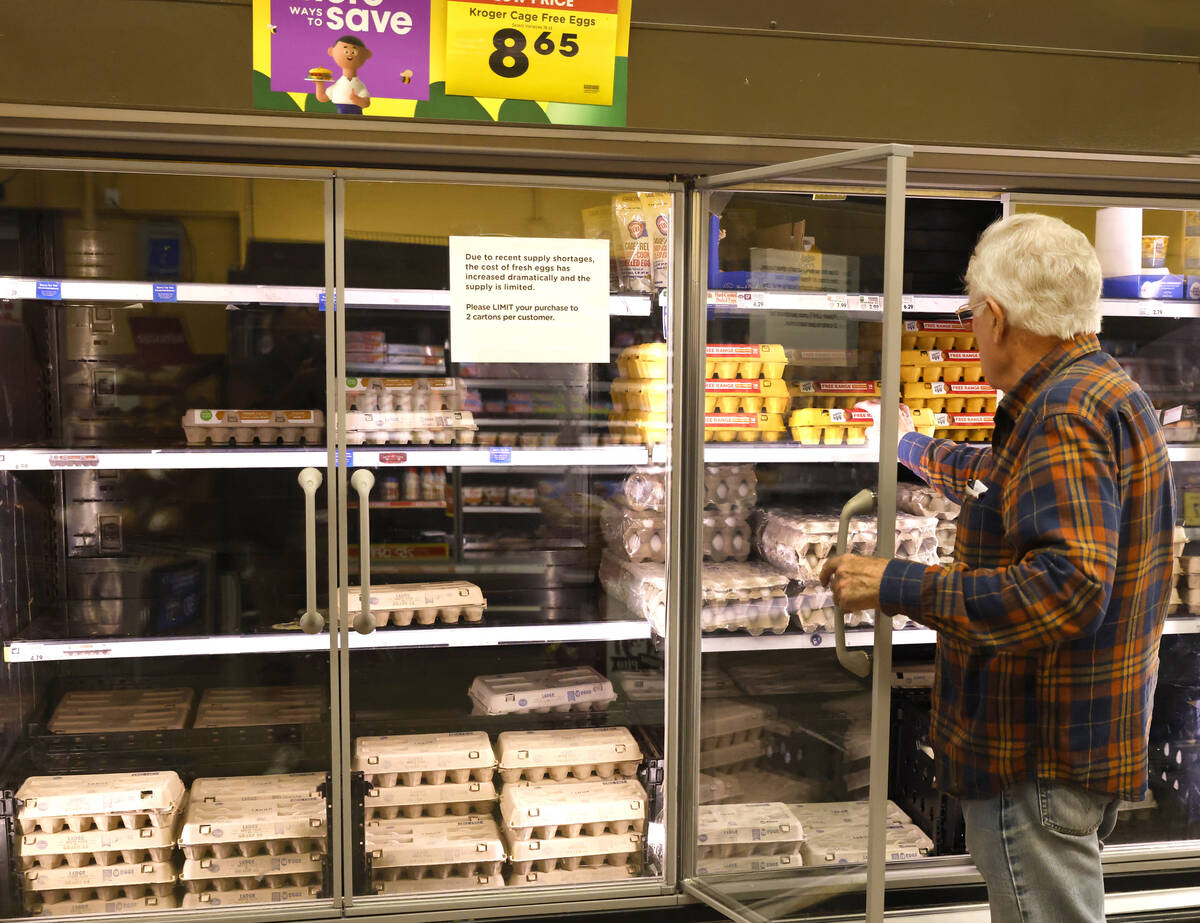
542 50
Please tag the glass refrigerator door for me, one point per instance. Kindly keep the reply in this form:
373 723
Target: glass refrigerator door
166 723
507 422
787 813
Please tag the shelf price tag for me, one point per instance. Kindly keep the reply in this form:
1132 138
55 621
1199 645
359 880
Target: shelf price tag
544 50
500 456
871 303
838 302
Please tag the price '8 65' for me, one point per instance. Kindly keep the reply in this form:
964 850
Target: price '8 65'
510 45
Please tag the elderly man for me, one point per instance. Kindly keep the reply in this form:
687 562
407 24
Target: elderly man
1049 620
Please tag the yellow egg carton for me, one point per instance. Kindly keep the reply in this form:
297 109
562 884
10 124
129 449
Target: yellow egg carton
937 334
940 365
643 360
951 396
748 395
637 428
961 427
830 426
739 360
829 394
640 394
743 427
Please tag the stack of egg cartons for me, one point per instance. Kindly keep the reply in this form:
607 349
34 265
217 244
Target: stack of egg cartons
248 706
732 735
422 786
98 843
421 395
836 833
943 381
922 500
251 840
825 411
756 837
405 427
109 710
640 396
745 397
572 809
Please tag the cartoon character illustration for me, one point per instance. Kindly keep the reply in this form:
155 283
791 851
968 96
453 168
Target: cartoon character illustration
349 93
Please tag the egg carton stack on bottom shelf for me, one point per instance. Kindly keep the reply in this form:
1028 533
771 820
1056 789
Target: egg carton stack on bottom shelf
403 604
251 840
745 397
797 544
754 837
836 833
733 735
98 843
572 809
425 854
923 500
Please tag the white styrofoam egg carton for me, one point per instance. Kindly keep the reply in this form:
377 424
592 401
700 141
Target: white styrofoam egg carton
97 905
584 875
247 427
435 847
127 892
738 756
270 785
432 759
93 711
729 721
581 753
425 603
295 871
102 847
764 828
98 876
406 428
102 800
779 862
426 885
248 827
409 801
548 809
572 852
541 691
253 898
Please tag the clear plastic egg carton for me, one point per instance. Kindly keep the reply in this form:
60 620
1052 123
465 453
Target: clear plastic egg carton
952 365
254 427
410 428
89 907
101 801
584 875
412 760
829 395
750 596
734 830
95 847
119 892
545 810
640 685
747 361
421 395
813 609
96 711
301 870
725 487
249 827
734 757
427 885
638 535
923 500
457 799
541 691
568 853
754 395
252 898
579 754
402 604
250 706
434 847
743 864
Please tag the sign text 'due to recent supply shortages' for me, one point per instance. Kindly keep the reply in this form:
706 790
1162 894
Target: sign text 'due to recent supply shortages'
529 299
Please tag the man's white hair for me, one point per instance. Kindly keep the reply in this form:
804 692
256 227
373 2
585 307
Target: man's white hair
1043 272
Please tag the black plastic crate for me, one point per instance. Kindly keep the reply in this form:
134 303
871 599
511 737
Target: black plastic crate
911 785
10 882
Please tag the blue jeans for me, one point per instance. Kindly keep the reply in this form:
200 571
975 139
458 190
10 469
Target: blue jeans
1037 846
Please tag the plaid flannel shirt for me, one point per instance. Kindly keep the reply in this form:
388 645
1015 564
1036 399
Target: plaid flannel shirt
1049 620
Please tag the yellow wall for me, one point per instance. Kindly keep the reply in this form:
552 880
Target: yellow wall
1154 221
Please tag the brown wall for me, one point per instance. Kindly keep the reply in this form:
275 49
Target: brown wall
1109 75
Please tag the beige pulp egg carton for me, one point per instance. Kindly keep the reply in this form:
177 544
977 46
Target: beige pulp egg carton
813 609
101 847
455 798
584 875
573 852
734 757
402 604
818 426
746 395
730 721
923 500
427 885
240 898
99 800
640 685
201 876
270 785
410 428
253 826
121 709
433 759
542 691
544 810
120 892
738 360
247 706
831 395
254 427
434 847
765 828
940 365
937 334
104 878
779 862
422 395
97 905
720 788
846 844
643 360
951 396
582 754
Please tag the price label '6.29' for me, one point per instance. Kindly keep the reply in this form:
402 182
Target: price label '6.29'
542 50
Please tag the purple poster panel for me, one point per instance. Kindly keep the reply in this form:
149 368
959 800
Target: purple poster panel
370 48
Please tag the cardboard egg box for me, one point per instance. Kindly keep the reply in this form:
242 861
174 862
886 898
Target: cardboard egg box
581 754
253 427
454 798
253 826
744 427
102 710
583 875
434 847
433 759
570 853
542 691
545 810
402 604
728 830
254 898
937 334
104 801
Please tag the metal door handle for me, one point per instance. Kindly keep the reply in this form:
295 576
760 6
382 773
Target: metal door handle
311 621
362 481
857 662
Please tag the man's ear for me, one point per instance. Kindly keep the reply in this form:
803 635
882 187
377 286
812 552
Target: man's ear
998 318
329 51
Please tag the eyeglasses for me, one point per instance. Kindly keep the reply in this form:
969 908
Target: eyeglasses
965 313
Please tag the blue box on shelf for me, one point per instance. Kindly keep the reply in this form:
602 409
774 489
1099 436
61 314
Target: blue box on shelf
1163 287
1192 288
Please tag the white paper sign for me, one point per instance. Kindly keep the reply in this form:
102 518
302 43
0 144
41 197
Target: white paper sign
529 299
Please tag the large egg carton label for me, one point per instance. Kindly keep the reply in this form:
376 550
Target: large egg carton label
548 809
99 876
643 360
220 822
640 394
744 427
247 427
402 428
103 800
737 360
434 841
424 603
640 685
256 714
749 824
427 885
109 719
937 334
818 426
951 397
951 365
89 907
568 853
106 894
727 721
780 862
573 689
272 785
253 867
832 394
100 847
411 759
748 395
240 898
584 875
409 801
578 753
730 757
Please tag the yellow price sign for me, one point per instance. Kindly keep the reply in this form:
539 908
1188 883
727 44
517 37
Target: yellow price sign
542 50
